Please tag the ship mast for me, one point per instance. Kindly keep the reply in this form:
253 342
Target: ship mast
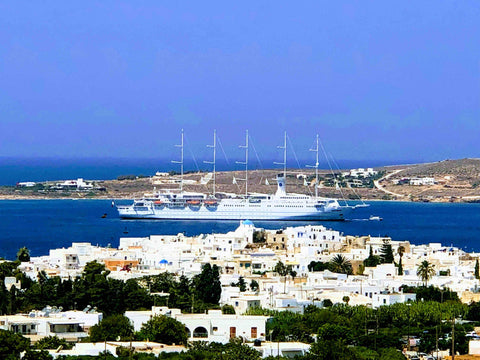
284 163
316 167
214 147
181 163
245 162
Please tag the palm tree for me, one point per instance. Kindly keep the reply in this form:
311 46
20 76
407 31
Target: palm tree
340 264
283 270
425 271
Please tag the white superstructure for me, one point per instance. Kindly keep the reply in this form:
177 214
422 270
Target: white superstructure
278 206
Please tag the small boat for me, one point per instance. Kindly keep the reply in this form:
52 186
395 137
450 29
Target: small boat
104 216
375 218
210 202
193 202
158 202
125 231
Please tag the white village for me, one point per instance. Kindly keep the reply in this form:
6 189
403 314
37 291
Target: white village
259 268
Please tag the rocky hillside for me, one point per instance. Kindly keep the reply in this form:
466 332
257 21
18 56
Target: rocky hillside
462 169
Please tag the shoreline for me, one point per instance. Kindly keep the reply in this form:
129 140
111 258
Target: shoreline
31 198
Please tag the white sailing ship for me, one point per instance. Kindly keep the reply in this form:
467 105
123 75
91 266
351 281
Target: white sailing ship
183 205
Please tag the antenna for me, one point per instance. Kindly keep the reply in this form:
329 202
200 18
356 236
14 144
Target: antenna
284 163
181 163
214 147
245 162
316 167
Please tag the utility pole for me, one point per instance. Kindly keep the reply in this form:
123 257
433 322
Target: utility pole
453 337
408 336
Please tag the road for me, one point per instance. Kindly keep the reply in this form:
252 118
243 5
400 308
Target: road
381 188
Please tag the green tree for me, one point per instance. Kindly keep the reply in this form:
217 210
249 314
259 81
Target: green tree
136 297
207 285
241 284
259 236
292 273
334 332
228 309
371 260
8 268
327 303
11 344
111 328
236 350
52 342
400 252
13 303
317 266
254 285
331 350
474 311
280 269
425 271
37 355
93 269
165 330
340 264
391 354
162 282
181 294
386 252
477 270
23 254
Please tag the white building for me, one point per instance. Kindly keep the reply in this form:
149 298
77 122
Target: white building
285 349
68 325
212 326
425 181
361 172
94 349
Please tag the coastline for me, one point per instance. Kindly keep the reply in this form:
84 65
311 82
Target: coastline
35 198
451 181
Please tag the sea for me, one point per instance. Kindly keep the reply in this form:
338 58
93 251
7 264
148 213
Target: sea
41 225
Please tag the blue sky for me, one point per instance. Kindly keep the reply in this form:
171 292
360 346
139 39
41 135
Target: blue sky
384 80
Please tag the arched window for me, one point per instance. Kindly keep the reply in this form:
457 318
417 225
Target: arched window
200 332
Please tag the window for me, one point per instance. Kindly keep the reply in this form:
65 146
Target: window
253 333
233 332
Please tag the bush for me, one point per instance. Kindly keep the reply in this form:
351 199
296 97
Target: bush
126 177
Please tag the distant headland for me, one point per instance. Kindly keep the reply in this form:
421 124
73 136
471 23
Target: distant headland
443 181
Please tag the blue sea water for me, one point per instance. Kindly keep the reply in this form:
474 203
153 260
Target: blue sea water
41 225
13 170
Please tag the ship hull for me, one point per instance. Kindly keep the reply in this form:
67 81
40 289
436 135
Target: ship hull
235 213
